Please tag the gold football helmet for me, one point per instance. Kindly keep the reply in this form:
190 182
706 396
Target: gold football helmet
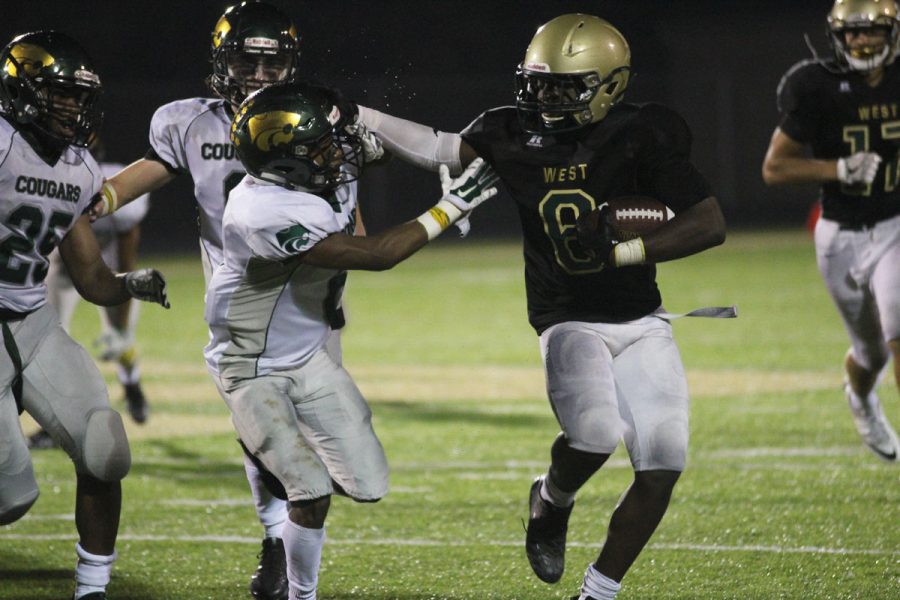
575 69
851 15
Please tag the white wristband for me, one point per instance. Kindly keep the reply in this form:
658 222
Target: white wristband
629 253
438 218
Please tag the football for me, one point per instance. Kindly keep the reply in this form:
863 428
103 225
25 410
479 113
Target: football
633 216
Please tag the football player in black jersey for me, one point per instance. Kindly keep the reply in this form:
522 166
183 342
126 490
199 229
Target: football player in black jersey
840 127
613 370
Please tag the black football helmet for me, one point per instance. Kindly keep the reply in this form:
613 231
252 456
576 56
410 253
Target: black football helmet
292 134
48 81
253 45
575 69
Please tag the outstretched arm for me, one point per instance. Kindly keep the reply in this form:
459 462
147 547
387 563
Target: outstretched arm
387 249
418 144
140 177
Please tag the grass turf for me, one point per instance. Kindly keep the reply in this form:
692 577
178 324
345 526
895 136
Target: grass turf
780 500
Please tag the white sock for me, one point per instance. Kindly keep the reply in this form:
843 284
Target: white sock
128 376
554 495
271 511
598 586
91 572
304 555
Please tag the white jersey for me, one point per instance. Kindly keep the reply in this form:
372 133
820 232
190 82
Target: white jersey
191 136
266 312
39 204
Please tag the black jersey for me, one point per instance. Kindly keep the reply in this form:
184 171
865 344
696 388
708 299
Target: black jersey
634 150
838 114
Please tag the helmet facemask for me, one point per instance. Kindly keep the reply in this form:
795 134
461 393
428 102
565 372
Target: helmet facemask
237 73
556 103
317 166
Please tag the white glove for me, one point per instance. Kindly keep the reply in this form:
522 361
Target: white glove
446 181
147 285
474 186
113 344
860 168
371 145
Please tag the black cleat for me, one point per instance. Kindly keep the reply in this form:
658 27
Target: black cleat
579 596
545 538
136 403
270 582
41 440
93 596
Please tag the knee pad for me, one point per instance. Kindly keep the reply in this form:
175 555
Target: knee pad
17 495
106 454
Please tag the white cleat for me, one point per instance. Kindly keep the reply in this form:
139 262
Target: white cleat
873 426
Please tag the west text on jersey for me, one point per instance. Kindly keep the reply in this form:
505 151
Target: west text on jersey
35 186
217 152
875 112
563 174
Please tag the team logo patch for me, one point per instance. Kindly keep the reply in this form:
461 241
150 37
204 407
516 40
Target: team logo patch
273 128
293 238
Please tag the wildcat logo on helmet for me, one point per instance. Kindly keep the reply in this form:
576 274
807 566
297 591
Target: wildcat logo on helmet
221 30
30 57
273 128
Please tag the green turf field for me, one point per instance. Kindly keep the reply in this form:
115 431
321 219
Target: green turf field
780 499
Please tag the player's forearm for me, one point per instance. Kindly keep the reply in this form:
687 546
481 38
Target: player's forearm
413 142
98 285
698 228
139 178
790 170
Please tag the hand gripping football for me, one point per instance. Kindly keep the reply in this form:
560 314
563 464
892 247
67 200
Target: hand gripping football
633 216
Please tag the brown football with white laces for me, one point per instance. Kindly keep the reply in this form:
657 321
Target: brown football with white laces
633 216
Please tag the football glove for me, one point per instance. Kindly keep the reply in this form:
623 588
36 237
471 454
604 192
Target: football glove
147 285
858 169
371 146
447 181
113 344
595 232
476 184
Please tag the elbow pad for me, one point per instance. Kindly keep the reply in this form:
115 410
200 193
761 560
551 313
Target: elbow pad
414 143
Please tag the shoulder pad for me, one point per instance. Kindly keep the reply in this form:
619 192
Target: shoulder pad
666 127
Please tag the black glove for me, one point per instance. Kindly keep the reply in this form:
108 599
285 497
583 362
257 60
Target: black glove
148 285
595 232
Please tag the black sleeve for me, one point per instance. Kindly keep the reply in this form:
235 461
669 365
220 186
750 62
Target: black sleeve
664 167
798 108
152 155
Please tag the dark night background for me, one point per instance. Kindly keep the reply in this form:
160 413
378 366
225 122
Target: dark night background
443 62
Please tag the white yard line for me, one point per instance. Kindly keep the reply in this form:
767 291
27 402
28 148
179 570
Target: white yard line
228 539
